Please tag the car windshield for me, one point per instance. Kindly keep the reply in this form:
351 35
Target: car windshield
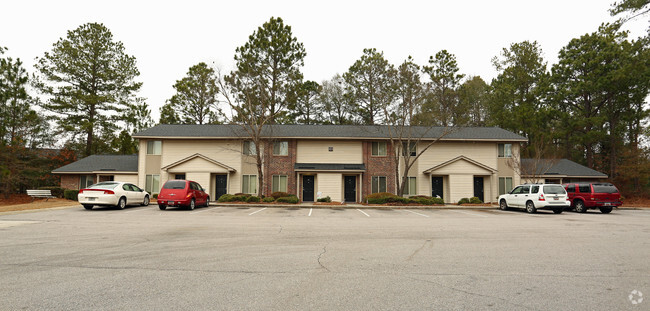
174 184
605 188
554 189
102 185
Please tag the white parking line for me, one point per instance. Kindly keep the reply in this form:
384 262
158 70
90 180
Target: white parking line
205 210
309 212
139 210
416 213
466 213
257 211
363 212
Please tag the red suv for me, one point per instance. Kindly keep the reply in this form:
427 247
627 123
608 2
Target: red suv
185 193
584 196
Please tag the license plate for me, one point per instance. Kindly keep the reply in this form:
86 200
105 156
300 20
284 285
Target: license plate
556 198
170 202
91 199
607 204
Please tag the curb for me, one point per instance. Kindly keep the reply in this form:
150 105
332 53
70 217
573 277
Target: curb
353 206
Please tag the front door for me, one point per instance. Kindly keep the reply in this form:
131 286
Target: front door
308 188
221 186
350 189
478 188
436 187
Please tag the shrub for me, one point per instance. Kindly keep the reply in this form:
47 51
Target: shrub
291 199
56 191
463 201
399 200
268 199
226 198
325 199
475 200
242 194
71 194
155 196
438 201
253 199
381 198
279 194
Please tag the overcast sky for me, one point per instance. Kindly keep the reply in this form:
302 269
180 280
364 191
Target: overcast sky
167 37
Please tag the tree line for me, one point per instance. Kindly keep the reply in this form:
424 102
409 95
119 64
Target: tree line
590 107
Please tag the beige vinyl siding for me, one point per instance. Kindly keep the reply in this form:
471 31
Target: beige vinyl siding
330 184
202 178
130 178
316 151
460 186
197 165
142 152
462 167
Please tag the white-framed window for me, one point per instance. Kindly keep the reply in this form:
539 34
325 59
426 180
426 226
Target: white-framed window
249 148
279 183
409 148
505 185
378 184
152 184
85 181
505 150
249 184
281 148
378 148
154 147
411 187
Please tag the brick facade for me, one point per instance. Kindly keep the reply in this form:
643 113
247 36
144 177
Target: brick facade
69 181
378 166
280 165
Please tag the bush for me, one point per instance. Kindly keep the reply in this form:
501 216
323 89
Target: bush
325 199
242 194
226 198
278 194
56 191
381 198
438 201
463 201
155 196
475 200
268 199
289 199
253 199
71 194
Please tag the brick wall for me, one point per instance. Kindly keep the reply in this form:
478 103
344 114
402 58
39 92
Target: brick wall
70 181
280 165
377 166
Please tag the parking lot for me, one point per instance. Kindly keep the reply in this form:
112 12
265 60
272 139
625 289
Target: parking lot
228 257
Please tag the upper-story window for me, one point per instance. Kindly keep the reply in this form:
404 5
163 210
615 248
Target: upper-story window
505 150
378 148
154 147
249 148
281 148
409 148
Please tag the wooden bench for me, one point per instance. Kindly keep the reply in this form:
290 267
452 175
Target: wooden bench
47 194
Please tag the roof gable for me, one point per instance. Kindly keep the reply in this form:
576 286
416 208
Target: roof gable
457 164
200 161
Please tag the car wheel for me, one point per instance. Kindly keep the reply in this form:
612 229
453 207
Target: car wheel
605 210
530 207
580 206
207 202
121 204
557 210
192 205
503 205
88 206
146 200
162 207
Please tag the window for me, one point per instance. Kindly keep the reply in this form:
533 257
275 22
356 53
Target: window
535 189
281 148
410 187
249 148
378 184
571 188
86 181
152 184
378 148
505 185
154 147
505 150
410 146
179 176
279 183
584 188
249 184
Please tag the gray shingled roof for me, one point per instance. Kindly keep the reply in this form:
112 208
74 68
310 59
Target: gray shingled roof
329 167
324 131
93 163
561 167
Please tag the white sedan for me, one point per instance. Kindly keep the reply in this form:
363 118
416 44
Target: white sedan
112 193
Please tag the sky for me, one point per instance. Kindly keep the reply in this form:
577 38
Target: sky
168 37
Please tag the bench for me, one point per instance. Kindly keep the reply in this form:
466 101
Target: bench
47 194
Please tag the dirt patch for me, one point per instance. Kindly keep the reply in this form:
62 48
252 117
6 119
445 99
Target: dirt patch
22 202
636 202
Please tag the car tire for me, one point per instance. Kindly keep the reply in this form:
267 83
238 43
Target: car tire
580 206
503 205
146 201
558 210
207 202
88 206
605 210
530 207
121 204
162 207
192 205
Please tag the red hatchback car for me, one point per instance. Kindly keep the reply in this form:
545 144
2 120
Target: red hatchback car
584 196
184 193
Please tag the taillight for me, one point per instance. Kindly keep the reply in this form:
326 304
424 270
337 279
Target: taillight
81 191
541 197
189 195
109 192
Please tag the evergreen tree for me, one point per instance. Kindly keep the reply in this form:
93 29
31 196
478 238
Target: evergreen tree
195 101
441 107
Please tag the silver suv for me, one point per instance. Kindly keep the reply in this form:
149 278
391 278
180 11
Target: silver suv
536 196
